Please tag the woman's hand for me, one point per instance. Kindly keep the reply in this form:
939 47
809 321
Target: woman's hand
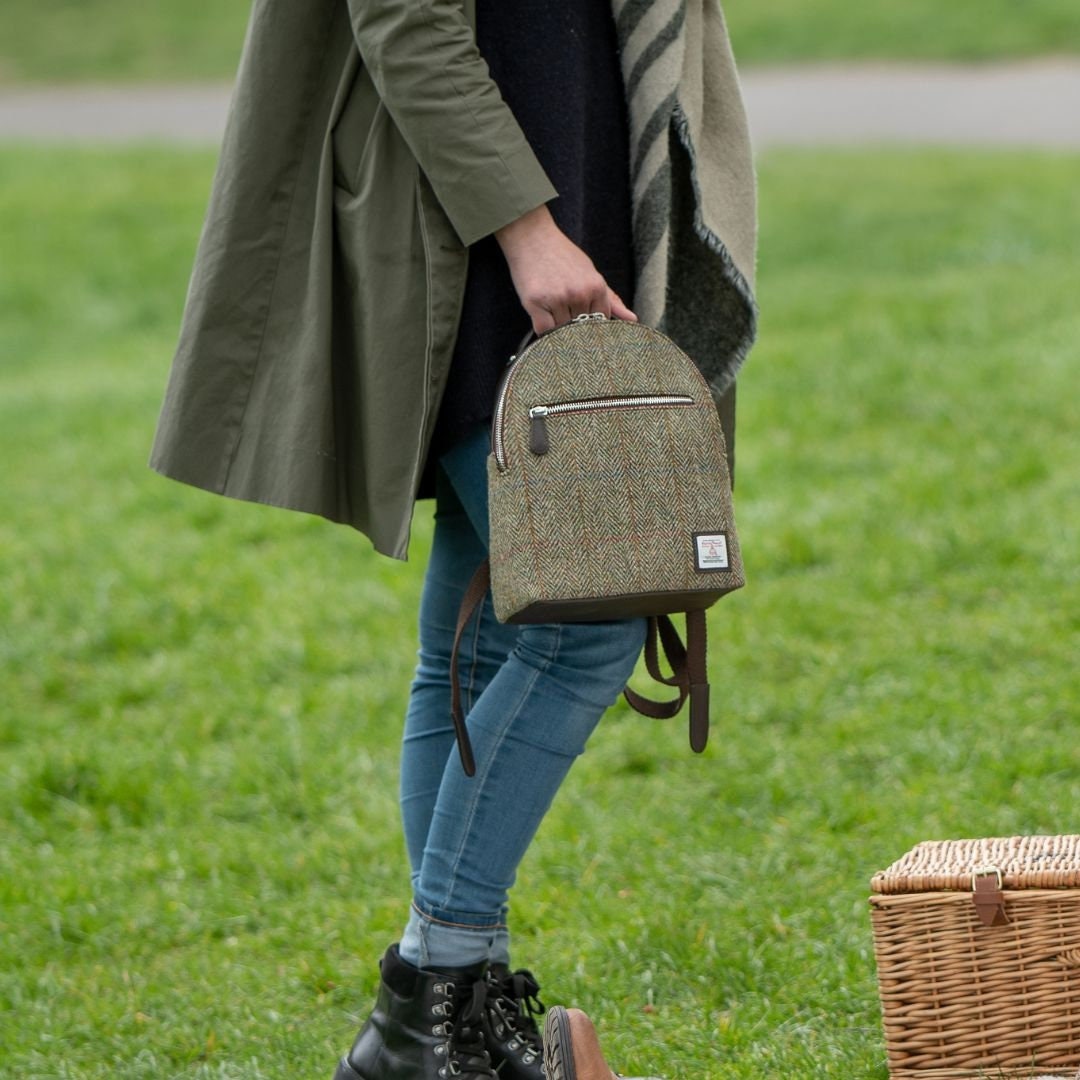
555 280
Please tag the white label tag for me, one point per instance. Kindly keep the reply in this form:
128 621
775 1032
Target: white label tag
711 551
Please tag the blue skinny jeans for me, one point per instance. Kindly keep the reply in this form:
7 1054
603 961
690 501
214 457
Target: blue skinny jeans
532 695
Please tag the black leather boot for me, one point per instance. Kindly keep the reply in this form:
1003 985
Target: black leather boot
509 1025
426 1025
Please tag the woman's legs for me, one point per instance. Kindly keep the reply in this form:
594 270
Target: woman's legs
537 693
428 742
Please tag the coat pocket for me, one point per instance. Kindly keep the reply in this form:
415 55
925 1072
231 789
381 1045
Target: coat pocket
354 127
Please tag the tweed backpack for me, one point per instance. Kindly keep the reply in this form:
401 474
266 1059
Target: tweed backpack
608 497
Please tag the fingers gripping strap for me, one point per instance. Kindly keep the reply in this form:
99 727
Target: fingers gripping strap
470 603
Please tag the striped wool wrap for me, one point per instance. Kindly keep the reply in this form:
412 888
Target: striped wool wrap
692 174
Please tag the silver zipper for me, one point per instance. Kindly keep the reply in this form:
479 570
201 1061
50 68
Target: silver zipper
500 397
627 401
538 414
499 419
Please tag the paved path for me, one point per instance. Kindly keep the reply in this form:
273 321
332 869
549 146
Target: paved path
114 114
1021 104
1035 103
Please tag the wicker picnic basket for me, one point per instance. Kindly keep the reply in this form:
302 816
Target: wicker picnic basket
978 954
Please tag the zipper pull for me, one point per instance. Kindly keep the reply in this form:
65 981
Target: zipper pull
538 436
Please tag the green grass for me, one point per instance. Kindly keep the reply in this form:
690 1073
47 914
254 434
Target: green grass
72 40
201 699
791 30
78 40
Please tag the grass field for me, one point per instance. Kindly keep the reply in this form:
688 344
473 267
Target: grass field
191 39
201 700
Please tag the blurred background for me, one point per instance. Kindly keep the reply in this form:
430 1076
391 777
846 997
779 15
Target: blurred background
200 701
77 40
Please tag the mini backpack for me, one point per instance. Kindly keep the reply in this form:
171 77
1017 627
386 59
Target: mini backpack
608 497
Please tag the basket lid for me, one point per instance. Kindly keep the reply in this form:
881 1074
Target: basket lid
1023 862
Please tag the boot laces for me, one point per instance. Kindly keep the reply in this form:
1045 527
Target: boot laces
516 1003
464 1049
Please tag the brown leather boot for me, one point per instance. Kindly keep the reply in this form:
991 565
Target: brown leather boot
572 1050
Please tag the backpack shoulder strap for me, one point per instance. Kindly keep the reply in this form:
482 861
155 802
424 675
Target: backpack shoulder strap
687 662
474 595
689 674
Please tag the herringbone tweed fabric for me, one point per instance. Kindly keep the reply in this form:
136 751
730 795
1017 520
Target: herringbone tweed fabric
615 504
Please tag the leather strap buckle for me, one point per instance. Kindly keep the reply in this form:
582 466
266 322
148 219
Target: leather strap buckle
986 894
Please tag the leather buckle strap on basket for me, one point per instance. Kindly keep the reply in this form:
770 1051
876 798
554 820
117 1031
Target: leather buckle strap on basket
978 955
609 497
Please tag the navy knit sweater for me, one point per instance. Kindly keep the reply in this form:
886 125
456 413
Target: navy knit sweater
557 67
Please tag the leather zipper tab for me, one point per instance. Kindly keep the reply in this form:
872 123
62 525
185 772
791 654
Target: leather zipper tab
538 433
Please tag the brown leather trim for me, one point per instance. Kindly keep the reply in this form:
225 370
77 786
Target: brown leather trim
989 902
475 592
603 608
694 552
697 679
687 662
689 674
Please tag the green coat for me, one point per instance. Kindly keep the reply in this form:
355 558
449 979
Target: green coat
366 147
323 305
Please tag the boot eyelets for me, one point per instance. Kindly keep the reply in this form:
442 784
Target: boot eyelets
513 1038
441 1024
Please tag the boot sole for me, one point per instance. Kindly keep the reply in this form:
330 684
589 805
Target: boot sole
558 1048
346 1072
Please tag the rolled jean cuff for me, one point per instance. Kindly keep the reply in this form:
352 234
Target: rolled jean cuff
437 940
465 920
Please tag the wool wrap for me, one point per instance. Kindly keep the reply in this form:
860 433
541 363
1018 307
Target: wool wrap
693 183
